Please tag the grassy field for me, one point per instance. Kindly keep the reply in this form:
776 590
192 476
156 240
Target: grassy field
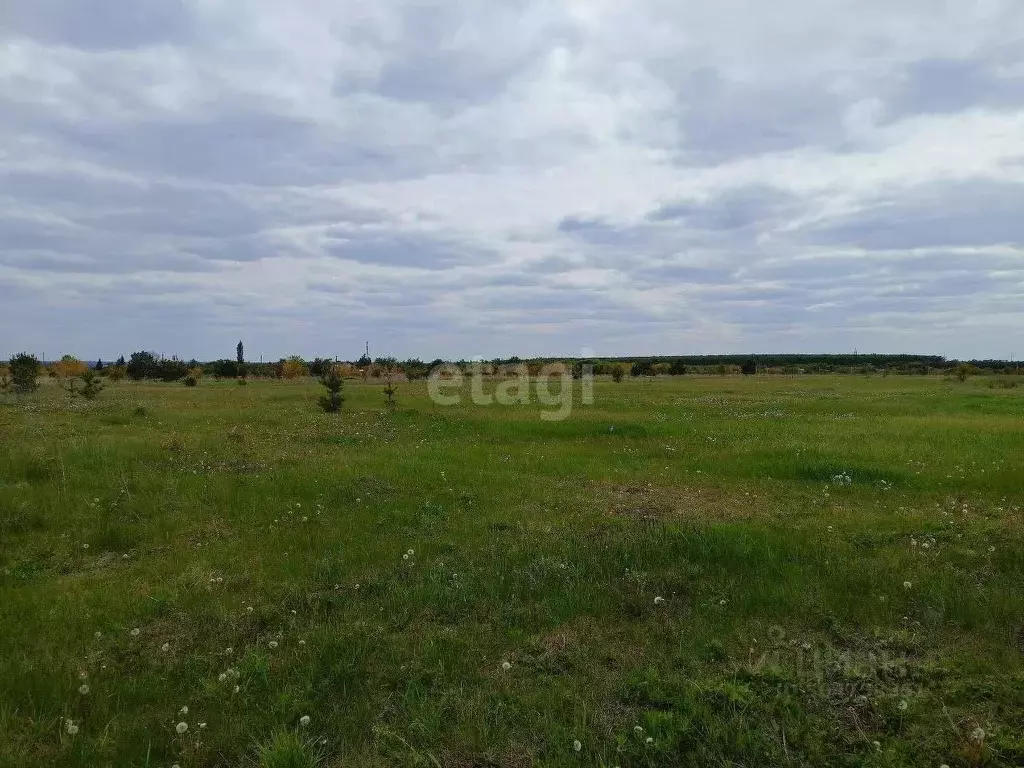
767 571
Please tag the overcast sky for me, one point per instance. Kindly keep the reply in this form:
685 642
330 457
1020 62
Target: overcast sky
492 177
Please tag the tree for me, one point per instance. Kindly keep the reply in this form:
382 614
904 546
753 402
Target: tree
294 367
24 372
390 394
364 361
91 385
617 373
642 368
120 361
141 365
332 382
749 367
677 368
99 365
68 367
240 360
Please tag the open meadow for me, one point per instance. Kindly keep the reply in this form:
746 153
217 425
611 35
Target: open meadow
734 571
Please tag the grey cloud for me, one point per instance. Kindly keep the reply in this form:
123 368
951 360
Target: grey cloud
721 119
98 24
944 85
942 214
732 210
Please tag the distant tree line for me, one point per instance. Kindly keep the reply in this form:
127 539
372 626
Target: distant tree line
144 365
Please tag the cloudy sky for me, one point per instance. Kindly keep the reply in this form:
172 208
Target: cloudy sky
497 177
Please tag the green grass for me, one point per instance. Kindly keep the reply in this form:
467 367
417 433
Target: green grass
375 569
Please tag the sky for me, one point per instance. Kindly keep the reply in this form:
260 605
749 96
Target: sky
491 178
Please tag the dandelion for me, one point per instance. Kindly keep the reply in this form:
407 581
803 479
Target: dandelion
237 689
82 674
135 632
183 711
165 647
181 727
409 552
576 745
273 644
649 740
638 729
907 585
222 676
659 600
723 601
248 609
302 642
876 745
70 727
83 689
229 650
405 557
506 665
97 635
978 734
304 720
902 706
202 725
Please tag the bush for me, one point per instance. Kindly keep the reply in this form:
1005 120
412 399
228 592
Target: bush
191 381
617 373
116 372
24 372
749 367
172 369
677 368
332 382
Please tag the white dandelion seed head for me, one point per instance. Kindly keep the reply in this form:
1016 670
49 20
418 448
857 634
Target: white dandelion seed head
165 647
649 740
302 642
659 600
202 725
273 644
229 650
183 711
506 665
576 745
82 674
902 706
978 734
83 689
237 689
907 584
222 676
304 720
409 552
181 727
638 728
135 632
71 728
405 557
97 635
